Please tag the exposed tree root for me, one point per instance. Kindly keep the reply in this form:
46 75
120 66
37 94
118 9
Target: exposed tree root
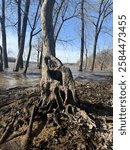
26 141
58 93
7 130
52 126
58 104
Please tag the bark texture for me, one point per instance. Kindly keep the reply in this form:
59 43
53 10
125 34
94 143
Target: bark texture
22 39
4 45
82 36
1 59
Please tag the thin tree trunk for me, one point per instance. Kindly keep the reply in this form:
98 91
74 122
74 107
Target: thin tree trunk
4 44
94 51
86 59
19 31
38 59
86 54
40 63
82 37
1 59
31 37
103 12
23 35
29 53
19 23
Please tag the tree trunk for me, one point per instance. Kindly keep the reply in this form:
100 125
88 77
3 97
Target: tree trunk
38 59
29 53
48 30
86 59
94 51
86 55
19 23
82 37
23 35
102 65
40 63
1 59
4 45
104 11
31 37
19 31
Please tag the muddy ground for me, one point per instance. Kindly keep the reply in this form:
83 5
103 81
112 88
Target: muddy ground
95 98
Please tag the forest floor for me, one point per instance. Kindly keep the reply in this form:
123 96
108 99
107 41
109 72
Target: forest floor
95 98
18 93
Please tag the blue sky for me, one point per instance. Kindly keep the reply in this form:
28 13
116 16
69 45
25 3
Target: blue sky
67 52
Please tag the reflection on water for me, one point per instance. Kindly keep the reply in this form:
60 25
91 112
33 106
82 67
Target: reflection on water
12 80
9 79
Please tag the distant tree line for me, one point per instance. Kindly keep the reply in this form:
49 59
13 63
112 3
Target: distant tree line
103 61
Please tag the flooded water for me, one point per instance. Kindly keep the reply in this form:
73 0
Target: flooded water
13 80
10 79
88 75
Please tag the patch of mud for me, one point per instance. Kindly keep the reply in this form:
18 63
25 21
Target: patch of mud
95 98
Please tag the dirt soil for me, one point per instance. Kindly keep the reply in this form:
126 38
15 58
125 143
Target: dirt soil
95 98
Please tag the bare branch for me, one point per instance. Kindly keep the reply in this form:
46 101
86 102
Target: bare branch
37 32
57 15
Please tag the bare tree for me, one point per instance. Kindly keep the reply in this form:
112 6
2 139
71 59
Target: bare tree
1 59
32 34
19 16
23 35
61 16
86 54
104 60
104 10
82 36
38 48
3 28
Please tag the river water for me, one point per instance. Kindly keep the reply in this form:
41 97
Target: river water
10 79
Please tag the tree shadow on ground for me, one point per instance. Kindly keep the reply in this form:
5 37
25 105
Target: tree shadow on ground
97 108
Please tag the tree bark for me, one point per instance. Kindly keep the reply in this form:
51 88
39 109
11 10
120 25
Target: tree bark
82 37
29 53
40 63
4 44
23 35
48 30
94 51
1 59
86 59
19 23
19 31
31 38
103 12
